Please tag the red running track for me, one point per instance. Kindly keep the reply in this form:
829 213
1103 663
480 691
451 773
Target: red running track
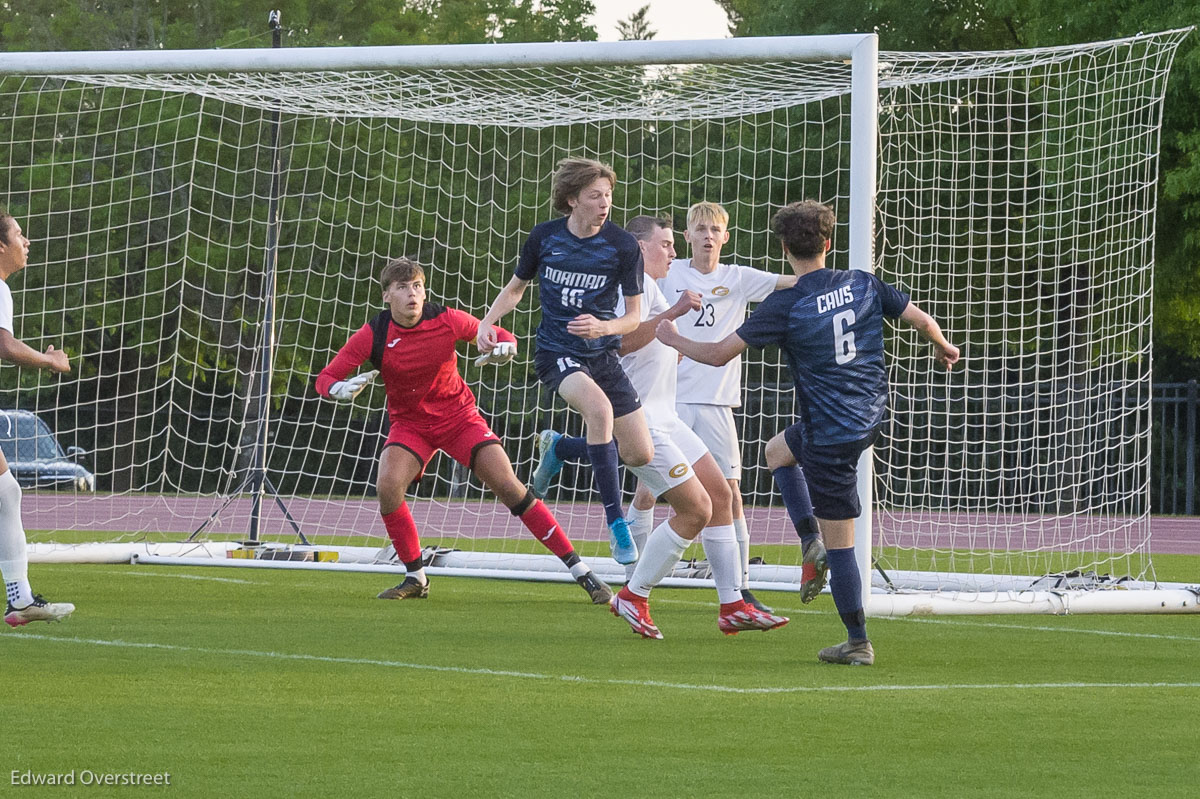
139 513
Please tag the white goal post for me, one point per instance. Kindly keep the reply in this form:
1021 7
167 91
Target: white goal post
173 196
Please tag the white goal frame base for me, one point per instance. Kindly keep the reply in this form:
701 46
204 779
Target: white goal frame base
1021 596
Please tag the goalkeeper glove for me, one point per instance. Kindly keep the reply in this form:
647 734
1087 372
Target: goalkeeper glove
346 390
503 352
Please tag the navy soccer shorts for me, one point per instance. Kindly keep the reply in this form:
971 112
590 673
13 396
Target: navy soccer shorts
831 472
603 367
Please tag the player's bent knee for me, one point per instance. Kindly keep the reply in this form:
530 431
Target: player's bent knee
778 454
720 494
636 455
693 509
390 497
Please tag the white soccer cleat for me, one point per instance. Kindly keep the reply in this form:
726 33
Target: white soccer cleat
38 610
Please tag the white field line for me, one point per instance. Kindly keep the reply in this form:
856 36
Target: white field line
577 679
792 611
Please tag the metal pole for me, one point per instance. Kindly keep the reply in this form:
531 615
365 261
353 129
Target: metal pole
1190 467
864 141
258 477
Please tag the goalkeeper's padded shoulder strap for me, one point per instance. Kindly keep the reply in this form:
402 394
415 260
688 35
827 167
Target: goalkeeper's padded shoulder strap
379 330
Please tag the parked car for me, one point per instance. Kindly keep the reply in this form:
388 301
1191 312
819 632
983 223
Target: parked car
35 456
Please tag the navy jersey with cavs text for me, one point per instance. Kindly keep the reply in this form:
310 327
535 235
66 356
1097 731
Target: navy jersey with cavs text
830 327
420 365
579 276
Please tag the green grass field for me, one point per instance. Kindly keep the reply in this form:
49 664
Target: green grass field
264 683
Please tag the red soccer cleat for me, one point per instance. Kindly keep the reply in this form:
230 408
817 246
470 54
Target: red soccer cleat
635 610
742 616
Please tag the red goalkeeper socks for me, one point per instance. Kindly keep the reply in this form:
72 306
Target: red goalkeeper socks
545 528
403 531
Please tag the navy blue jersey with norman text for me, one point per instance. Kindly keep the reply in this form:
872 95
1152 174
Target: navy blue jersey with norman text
579 276
830 327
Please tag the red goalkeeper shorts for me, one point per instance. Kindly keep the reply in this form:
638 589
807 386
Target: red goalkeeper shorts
460 438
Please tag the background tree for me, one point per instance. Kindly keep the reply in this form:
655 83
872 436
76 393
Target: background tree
937 25
636 27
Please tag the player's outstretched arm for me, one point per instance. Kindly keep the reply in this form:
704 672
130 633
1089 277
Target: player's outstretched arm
645 331
14 350
713 353
351 356
466 328
508 299
945 352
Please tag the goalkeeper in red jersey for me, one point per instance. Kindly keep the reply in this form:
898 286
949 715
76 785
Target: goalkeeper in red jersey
430 407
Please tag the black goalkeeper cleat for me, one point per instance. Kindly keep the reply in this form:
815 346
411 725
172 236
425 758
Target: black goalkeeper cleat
37 610
409 589
597 589
752 600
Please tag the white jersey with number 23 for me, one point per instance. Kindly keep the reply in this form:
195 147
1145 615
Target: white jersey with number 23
725 293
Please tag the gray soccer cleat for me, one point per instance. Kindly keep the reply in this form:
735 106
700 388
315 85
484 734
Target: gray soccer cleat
597 589
849 653
814 571
37 610
409 589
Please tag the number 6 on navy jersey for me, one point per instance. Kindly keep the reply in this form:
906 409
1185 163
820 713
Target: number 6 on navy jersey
843 337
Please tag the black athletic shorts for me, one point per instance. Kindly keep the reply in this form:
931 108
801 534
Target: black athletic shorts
831 472
603 368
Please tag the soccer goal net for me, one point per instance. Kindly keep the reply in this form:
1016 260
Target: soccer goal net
177 202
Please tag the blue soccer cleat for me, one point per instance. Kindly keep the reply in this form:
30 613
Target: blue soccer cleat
624 550
549 464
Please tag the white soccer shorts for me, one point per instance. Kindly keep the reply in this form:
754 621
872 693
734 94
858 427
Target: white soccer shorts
676 448
714 425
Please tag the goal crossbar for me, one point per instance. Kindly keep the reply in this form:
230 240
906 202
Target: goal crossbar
465 56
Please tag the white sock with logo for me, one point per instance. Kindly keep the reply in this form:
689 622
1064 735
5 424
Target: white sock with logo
14 557
663 550
722 552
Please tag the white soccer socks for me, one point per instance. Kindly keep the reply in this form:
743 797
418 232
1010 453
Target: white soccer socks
742 534
721 550
14 558
663 550
641 522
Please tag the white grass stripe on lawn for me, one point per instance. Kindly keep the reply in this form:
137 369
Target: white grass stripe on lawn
526 675
141 573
